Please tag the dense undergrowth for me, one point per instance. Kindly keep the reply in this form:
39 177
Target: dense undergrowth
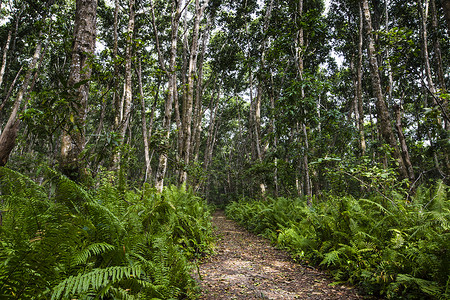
59 240
389 247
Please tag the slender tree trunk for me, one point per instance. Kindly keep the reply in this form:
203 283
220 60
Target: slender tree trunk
180 107
425 54
73 138
124 110
437 46
127 90
307 180
211 130
359 75
5 53
116 98
101 121
148 167
359 111
382 110
251 120
9 133
10 90
440 69
300 44
188 105
275 136
404 147
198 110
390 87
428 74
172 93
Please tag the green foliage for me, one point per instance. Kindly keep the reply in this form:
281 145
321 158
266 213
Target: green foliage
60 240
395 249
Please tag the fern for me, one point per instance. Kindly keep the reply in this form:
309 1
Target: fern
93 281
90 251
426 286
331 258
366 241
60 239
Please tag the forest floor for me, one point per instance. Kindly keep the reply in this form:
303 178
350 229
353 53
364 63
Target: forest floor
246 266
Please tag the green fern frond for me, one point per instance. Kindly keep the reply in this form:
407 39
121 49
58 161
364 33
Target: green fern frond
331 258
93 249
426 286
93 280
377 205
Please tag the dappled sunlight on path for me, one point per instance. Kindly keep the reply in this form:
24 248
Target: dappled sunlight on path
246 266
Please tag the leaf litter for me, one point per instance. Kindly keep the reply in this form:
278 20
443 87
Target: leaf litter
246 266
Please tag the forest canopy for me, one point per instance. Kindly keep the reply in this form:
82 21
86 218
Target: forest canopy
233 98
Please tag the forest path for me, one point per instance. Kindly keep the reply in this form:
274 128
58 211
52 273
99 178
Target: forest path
247 266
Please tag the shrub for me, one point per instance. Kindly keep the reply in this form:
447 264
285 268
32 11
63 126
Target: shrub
60 240
388 246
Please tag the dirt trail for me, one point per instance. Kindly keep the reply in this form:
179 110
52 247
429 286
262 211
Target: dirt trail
248 267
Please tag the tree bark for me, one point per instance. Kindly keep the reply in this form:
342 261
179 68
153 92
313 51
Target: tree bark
9 133
148 167
172 93
404 147
5 53
358 99
359 84
382 109
211 130
123 110
300 44
198 109
10 90
189 99
425 54
116 98
73 137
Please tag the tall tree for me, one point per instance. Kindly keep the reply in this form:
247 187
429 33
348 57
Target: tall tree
9 132
74 136
189 99
172 90
382 110
123 111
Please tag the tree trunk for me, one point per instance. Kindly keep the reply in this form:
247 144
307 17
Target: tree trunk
198 110
427 66
127 90
359 84
300 44
116 98
124 110
148 167
404 147
9 133
5 53
425 54
189 99
359 111
437 46
382 110
211 130
172 93
10 90
73 137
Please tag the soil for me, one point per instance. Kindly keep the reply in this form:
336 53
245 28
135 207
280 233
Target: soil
246 266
